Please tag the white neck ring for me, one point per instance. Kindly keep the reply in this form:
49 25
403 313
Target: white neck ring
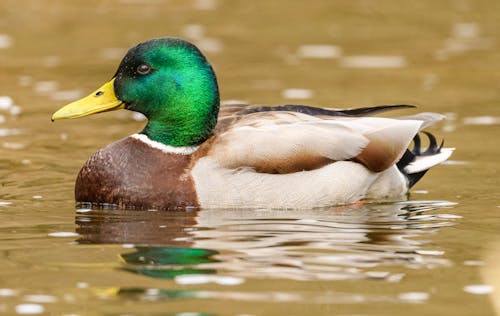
185 150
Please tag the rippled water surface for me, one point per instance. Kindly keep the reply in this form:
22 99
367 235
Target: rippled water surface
436 254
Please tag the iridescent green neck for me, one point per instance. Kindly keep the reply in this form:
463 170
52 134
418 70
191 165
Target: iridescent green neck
195 126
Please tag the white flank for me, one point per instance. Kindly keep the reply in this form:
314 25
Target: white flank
342 182
425 162
186 150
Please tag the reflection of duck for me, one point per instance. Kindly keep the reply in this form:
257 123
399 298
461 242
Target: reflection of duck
168 262
306 244
157 229
291 156
143 228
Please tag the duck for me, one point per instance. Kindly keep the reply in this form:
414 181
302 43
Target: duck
198 153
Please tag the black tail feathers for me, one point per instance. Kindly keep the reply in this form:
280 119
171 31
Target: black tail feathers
412 155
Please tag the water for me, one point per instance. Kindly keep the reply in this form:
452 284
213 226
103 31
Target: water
436 254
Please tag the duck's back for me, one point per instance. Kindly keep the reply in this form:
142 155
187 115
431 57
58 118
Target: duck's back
297 156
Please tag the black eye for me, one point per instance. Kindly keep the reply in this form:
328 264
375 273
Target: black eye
144 69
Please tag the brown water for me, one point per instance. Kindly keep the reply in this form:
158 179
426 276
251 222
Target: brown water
437 254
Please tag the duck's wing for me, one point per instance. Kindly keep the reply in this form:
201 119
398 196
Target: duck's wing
232 111
319 111
281 141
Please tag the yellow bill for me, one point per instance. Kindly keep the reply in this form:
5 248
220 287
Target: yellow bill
101 100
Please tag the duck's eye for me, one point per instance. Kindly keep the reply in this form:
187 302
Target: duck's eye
143 69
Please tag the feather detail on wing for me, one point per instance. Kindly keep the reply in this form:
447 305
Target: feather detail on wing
387 144
290 141
428 118
288 145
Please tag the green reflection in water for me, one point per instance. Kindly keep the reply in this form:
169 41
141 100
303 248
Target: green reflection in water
168 262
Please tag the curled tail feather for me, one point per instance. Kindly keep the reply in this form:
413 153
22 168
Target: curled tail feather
415 162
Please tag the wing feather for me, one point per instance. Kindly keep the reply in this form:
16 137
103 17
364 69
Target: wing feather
287 141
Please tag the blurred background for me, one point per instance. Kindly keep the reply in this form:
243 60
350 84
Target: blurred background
442 56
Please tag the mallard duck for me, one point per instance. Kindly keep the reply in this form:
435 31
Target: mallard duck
193 152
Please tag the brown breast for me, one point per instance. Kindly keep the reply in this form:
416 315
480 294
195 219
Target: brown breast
130 174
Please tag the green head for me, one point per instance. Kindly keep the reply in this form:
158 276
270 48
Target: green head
170 82
173 85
